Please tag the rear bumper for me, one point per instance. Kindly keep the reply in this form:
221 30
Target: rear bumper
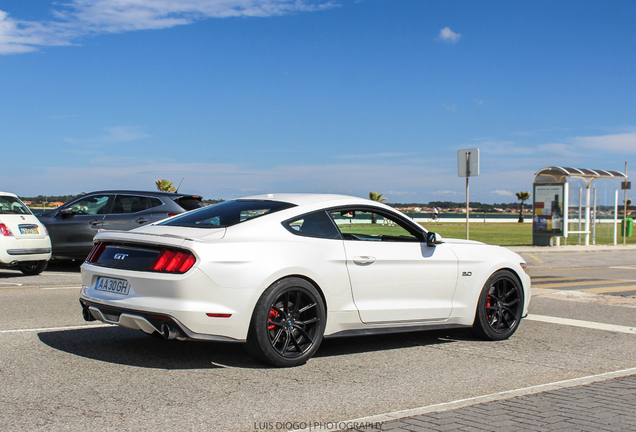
25 250
145 321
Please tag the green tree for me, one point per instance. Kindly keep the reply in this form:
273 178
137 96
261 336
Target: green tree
522 196
374 196
165 186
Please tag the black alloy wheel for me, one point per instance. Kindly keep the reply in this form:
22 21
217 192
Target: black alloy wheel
288 323
32 268
500 306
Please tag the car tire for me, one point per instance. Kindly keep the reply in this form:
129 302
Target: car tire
288 323
32 268
500 306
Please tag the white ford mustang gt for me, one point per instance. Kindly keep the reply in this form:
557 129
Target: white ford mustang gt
282 271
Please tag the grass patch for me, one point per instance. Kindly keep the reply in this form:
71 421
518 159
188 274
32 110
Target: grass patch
503 234
516 234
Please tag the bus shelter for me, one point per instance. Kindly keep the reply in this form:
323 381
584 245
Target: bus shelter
551 203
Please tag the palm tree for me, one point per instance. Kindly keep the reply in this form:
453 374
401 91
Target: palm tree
374 196
522 196
165 185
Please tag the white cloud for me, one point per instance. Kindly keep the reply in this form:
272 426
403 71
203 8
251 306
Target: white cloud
77 18
478 101
502 193
445 193
376 155
616 143
112 135
449 36
450 107
399 193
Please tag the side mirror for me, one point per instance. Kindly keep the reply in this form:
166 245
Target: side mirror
65 211
433 239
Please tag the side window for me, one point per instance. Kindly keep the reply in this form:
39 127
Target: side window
368 225
317 225
155 202
94 204
129 204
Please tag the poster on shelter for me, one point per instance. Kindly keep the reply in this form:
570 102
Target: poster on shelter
548 209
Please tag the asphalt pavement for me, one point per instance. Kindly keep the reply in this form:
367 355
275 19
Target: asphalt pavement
604 402
571 364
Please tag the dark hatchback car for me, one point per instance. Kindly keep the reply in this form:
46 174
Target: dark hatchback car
73 225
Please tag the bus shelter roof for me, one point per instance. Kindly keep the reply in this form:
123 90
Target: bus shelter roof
557 174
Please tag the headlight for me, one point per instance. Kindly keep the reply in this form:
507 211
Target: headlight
524 267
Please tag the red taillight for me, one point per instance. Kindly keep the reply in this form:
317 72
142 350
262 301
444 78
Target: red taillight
172 214
96 252
173 261
162 260
5 230
187 264
218 315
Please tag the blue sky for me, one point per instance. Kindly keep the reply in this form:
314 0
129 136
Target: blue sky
337 96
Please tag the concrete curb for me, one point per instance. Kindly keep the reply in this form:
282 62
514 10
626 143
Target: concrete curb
526 391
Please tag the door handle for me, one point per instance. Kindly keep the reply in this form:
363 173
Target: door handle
141 220
364 260
95 222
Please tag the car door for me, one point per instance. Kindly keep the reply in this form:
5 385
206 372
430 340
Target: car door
395 277
128 212
74 225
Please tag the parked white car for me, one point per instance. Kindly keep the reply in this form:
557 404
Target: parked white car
24 241
281 271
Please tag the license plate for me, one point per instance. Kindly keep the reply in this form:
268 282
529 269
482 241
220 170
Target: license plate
29 231
117 286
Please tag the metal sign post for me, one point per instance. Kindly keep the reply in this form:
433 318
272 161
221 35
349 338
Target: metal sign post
467 166
625 185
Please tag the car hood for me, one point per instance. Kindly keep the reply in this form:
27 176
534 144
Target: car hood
462 241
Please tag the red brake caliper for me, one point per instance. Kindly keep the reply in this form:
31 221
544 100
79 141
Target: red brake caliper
488 311
273 314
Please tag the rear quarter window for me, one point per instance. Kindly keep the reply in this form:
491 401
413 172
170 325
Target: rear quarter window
318 225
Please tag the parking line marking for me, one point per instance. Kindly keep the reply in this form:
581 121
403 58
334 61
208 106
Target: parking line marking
624 267
579 283
574 282
536 259
580 323
55 328
61 288
461 403
615 289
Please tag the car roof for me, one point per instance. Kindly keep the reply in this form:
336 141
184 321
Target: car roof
133 192
303 199
8 194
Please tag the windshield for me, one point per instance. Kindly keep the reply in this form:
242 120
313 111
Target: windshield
12 205
226 214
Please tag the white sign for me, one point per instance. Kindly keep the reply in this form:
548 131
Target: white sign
468 162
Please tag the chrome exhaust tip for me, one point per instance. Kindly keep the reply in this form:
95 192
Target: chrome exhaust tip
87 315
169 332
